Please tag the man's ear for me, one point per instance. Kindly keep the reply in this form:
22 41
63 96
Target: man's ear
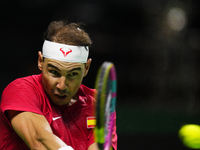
40 60
87 66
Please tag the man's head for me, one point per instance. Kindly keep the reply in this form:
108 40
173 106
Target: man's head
63 71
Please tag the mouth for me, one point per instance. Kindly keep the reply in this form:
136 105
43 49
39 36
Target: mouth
61 97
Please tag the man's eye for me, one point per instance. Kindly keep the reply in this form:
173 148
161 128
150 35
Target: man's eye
72 74
55 73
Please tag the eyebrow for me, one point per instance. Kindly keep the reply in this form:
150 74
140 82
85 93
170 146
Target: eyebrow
52 66
74 69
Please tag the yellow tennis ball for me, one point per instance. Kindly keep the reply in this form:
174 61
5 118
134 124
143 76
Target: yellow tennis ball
190 135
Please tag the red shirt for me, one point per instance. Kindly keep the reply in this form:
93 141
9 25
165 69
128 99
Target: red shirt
69 123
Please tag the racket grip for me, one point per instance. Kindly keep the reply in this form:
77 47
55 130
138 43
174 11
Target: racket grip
101 146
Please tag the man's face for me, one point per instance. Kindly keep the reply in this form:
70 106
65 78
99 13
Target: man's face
61 80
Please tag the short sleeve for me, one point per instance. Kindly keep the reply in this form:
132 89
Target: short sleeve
20 95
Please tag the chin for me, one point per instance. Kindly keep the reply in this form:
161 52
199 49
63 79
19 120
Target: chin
61 102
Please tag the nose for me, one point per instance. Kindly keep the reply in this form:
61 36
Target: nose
62 84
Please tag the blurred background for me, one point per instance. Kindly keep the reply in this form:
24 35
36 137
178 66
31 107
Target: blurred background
155 45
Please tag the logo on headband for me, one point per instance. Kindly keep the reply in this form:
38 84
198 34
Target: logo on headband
65 53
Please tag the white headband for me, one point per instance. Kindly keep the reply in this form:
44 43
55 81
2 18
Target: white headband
63 52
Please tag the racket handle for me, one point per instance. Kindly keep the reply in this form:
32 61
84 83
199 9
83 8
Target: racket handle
101 147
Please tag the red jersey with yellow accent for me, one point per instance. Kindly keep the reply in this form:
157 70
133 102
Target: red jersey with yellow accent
69 123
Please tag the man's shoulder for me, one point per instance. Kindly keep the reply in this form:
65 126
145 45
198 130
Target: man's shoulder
87 90
31 78
23 82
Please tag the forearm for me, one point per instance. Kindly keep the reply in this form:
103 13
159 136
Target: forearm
44 141
35 131
50 141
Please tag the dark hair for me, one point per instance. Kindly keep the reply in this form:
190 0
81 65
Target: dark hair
67 33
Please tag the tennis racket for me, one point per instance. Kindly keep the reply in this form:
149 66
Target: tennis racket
105 105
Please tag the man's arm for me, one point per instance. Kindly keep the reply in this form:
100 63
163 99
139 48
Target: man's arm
35 130
93 147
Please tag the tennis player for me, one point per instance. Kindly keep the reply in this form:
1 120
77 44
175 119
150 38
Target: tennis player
52 110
